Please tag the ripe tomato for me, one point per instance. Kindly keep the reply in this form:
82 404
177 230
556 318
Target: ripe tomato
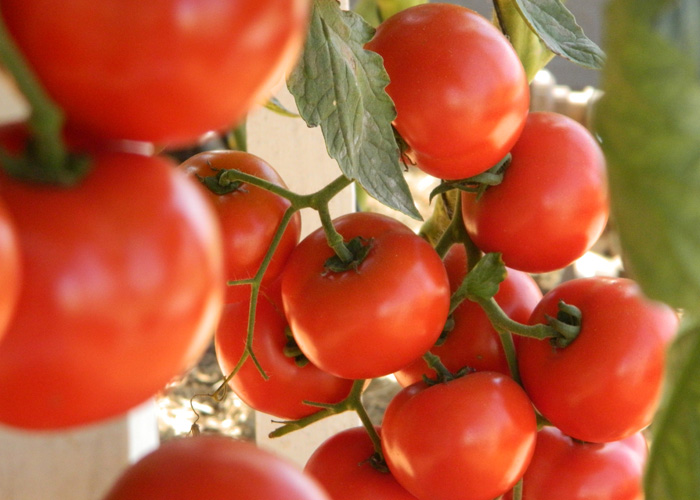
373 320
552 204
249 217
10 275
606 384
468 439
342 465
460 91
288 385
473 341
122 287
566 469
185 68
215 468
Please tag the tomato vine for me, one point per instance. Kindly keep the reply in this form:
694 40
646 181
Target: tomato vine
364 296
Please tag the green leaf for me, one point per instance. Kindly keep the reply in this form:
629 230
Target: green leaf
340 86
649 122
533 53
556 27
673 469
486 276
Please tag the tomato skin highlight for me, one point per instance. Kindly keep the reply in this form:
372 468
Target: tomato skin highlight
122 288
473 342
215 468
10 275
374 320
460 91
437 439
606 384
164 71
564 469
249 218
288 385
553 203
341 464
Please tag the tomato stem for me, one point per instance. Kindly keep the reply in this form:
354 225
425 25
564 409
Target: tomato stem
46 158
509 350
518 490
334 238
353 402
237 138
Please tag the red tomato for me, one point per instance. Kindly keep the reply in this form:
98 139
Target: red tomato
341 464
468 439
282 395
10 275
606 384
249 218
373 320
473 341
566 469
122 287
157 70
215 468
552 204
460 91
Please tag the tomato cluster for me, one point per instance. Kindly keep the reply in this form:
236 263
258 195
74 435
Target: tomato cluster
112 286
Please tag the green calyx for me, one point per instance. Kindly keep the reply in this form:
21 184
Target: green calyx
219 183
358 250
567 324
291 350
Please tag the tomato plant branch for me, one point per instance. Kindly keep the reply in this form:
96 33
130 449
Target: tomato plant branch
48 159
509 350
518 490
353 402
500 320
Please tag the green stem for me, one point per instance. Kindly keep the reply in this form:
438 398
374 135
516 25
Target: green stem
334 238
434 362
500 320
356 401
353 402
50 159
231 176
318 201
238 137
509 350
518 490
